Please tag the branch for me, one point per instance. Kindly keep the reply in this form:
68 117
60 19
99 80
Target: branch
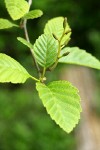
28 40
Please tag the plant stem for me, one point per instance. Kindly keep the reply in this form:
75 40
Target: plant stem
42 78
35 78
59 50
28 40
55 64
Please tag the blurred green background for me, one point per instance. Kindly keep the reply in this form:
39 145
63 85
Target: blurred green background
24 123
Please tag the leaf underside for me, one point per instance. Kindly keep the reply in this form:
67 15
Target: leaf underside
4 24
62 103
11 70
22 40
17 8
55 26
79 57
45 50
33 14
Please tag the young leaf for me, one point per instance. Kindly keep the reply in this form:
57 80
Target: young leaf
55 26
33 14
17 8
45 50
11 70
4 23
79 57
62 103
22 40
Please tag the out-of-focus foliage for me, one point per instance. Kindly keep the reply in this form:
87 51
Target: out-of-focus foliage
24 124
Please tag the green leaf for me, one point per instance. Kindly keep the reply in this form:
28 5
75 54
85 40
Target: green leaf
22 40
62 103
17 8
45 50
11 70
79 57
55 26
4 23
33 14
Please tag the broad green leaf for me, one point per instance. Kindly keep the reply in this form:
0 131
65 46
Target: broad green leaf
55 26
22 40
33 14
79 57
4 23
17 8
11 70
62 103
45 50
